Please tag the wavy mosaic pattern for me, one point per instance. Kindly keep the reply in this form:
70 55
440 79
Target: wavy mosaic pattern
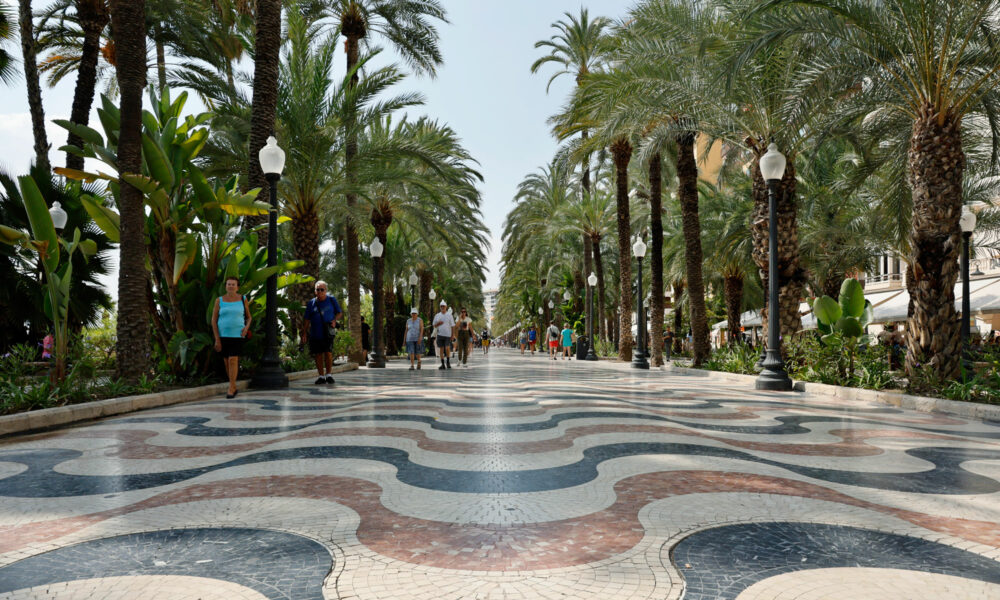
515 478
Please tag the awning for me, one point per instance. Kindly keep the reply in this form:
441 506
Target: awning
891 305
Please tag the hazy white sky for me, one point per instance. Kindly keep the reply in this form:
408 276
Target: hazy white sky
485 91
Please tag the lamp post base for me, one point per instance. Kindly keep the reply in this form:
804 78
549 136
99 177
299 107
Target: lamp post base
269 376
375 361
639 360
773 378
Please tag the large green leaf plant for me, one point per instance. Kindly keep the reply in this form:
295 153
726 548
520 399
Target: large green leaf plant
194 235
842 323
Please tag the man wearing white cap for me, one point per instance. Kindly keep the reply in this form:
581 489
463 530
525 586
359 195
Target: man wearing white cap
413 339
445 324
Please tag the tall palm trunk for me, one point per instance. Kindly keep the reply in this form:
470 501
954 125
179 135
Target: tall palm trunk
425 278
351 31
599 267
380 220
35 106
678 318
687 180
93 17
267 45
161 56
621 151
128 18
732 285
305 242
656 259
791 276
936 163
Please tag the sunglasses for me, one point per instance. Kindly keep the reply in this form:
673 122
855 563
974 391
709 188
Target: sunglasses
320 289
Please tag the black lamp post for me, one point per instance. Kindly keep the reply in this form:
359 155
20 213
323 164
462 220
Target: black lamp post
377 360
773 376
413 289
638 354
591 282
967 222
269 374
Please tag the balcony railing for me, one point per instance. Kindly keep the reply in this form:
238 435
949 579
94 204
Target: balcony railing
883 278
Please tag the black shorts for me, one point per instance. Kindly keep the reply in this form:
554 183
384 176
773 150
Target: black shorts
231 346
323 345
444 341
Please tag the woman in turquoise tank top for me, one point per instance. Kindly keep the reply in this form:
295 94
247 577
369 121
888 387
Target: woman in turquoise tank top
231 322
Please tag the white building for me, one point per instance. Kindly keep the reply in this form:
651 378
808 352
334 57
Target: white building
490 303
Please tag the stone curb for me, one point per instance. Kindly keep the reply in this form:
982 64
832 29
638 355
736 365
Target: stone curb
63 415
897 398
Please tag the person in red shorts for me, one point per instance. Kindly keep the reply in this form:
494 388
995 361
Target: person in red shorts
552 335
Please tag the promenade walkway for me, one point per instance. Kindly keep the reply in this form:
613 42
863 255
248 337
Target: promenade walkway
515 478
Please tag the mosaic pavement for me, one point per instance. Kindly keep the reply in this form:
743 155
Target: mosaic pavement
515 478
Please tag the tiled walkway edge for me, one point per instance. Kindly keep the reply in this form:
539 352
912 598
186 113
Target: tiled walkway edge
64 415
897 398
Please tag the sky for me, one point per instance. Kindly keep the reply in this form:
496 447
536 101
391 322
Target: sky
485 91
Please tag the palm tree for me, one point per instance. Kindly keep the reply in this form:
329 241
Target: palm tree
405 24
6 34
129 22
267 46
937 65
30 62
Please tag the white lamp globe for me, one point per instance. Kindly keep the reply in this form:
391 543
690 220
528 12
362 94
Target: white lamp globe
567 296
967 221
432 295
592 279
772 164
552 304
639 248
376 248
58 216
413 278
272 158
540 311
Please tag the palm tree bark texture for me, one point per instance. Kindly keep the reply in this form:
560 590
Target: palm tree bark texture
267 46
936 164
305 242
93 17
791 276
656 259
128 18
621 152
732 286
678 318
354 28
602 328
687 180
35 106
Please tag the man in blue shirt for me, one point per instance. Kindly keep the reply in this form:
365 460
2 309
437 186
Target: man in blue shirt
321 315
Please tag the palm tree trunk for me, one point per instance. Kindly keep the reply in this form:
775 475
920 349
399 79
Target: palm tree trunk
791 276
161 56
426 278
732 286
678 318
621 151
599 267
35 106
579 285
93 17
353 257
656 259
380 222
936 163
831 285
128 18
687 180
267 45
305 242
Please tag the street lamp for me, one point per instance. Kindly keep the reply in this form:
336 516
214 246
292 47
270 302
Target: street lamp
567 296
413 287
638 354
58 216
967 222
591 282
270 375
377 358
432 295
773 376
552 304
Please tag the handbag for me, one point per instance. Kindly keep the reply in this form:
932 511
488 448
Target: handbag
331 331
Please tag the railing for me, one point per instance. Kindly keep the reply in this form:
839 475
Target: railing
885 277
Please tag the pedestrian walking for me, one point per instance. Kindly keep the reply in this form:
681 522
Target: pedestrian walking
413 338
668 342
486 342
231 324
532 339
567 342
552 336
445 337
522 340
321 315
464 337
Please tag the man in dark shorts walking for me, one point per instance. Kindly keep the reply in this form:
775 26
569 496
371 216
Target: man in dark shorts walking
321 317
445 324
